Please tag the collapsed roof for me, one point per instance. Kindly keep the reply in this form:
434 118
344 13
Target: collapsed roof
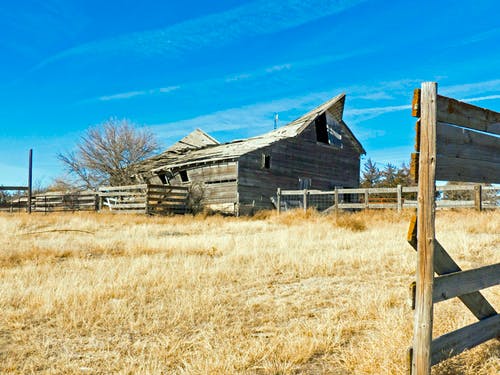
198 147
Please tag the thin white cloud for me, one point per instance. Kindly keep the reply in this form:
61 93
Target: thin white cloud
257 74
357 115
377 110
132 94
123 95
378 95
474 88
278 68
481 98
255 118
252 19
479 37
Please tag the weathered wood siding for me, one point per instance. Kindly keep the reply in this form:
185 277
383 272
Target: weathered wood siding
219 182
290 159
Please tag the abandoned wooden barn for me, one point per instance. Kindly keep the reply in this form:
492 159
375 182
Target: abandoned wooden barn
316 151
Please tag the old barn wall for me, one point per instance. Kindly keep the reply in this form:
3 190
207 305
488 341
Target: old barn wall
301 157
219 183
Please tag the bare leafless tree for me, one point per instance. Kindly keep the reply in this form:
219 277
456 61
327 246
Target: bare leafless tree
106 153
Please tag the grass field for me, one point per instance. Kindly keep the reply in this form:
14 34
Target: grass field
296 294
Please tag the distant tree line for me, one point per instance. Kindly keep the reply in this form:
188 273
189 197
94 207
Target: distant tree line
391 176
388 176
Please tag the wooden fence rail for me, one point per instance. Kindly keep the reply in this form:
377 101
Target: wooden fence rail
144 198
385 198
65 201
11 204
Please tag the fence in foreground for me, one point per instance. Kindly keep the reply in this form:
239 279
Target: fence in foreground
471 196
455 141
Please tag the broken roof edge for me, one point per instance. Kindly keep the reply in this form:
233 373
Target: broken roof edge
290 130
322 108
194 140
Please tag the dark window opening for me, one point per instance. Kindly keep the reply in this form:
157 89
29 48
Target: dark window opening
326 133
163 179
266 161
321 129
184 176
334 138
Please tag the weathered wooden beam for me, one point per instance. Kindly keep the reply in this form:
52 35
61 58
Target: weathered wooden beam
426 230
478 197
126 187
461 169
467 115
415 103
414 166
455 188
456 342
443 265
465 155
467 144
399 196
465 282
417 136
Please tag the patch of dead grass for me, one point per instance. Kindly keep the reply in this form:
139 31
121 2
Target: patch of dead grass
299 293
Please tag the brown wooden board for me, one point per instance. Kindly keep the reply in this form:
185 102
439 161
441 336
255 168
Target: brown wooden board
456 342
466 155
460 169
467 115
465 282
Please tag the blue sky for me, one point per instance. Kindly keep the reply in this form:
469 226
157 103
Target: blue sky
226 66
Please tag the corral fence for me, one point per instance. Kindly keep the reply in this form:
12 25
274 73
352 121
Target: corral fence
65 201
455 141
144 198
476 196
12 198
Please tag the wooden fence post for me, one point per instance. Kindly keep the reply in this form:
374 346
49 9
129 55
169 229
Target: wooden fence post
336 199
367 192
146 200
305 199
426 231
30 180
400 197
278 200
478 197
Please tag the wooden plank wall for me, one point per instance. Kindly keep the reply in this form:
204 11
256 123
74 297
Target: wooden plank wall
164 199
301 157
217 183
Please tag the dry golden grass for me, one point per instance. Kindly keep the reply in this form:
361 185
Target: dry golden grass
301 293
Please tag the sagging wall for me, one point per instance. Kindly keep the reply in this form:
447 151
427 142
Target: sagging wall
288 160
217 181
